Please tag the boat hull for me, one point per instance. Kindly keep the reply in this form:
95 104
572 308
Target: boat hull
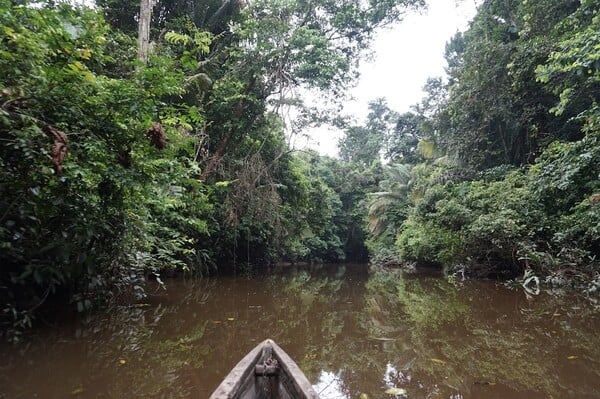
266 372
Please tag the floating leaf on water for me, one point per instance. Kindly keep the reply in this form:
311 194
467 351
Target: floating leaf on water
572 357
438 361
396 391
122 361
490 383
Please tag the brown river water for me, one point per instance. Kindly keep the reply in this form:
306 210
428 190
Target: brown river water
356 334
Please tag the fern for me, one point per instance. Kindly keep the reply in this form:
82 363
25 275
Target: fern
177 38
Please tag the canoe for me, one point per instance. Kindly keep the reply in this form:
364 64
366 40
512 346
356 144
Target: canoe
267 372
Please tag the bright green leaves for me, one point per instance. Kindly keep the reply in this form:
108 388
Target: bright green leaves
184 120
573 70
120 207
77 69
565 179
525 75
177 38
566 174
472 223
191 46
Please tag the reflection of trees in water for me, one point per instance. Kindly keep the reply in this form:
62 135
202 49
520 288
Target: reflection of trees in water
422 334
482 340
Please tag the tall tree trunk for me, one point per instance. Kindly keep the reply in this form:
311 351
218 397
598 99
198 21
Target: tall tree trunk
146 7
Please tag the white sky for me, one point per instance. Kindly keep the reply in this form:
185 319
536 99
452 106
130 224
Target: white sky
405 56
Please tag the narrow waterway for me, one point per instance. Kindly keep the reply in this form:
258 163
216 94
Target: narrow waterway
355 334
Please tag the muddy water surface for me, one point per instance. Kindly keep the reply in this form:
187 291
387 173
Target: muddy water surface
352 332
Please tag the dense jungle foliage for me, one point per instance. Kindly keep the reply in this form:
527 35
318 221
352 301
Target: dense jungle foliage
115 168
497 171
119 165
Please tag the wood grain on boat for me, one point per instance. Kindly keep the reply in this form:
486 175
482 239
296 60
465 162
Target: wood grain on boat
267 372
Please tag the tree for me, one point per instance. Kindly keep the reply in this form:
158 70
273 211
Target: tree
402 143
145 14
496 112
573 71
507 186
360 145
368 143
90 204
385 204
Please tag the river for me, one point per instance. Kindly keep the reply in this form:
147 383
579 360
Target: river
354 333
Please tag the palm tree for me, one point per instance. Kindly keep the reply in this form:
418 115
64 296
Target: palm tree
394 190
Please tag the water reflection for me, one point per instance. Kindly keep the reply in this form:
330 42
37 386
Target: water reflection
354 334
330 386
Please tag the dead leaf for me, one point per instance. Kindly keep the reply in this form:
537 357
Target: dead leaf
157 135
59 148
490 383
438 361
